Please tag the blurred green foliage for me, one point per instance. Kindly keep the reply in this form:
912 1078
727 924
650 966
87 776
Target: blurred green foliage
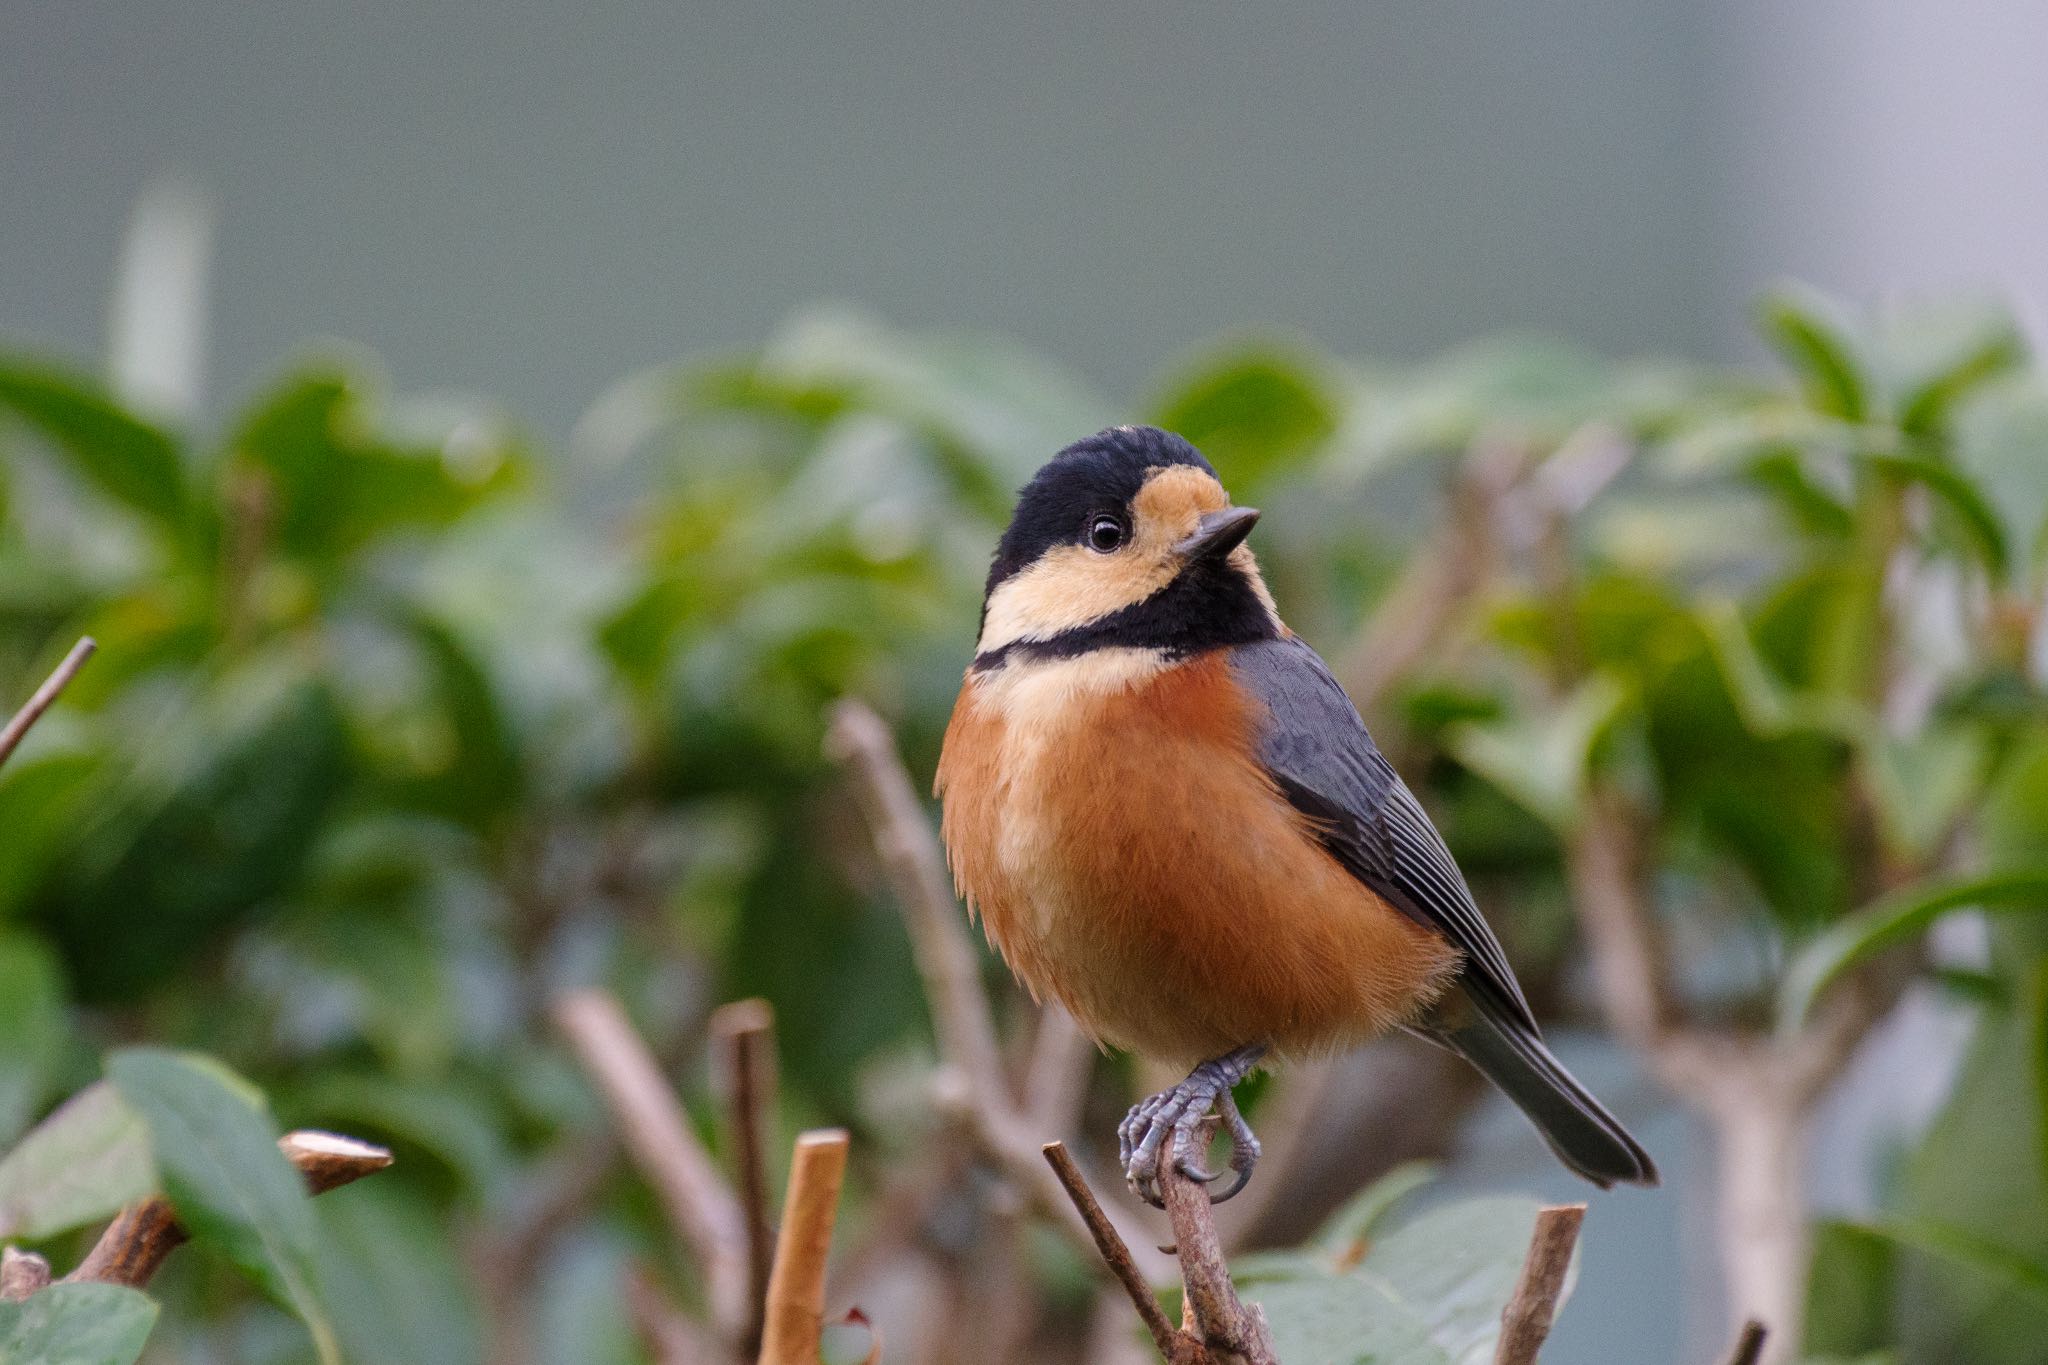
399 728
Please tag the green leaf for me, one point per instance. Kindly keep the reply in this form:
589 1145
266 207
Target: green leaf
1894 920
1926 406
1813 345
1851 1289
1429 1292
77 1166
233 1189
44 797
1348 1232
1973 513
1254 411
334 484
392 1279
189 855
131 460
77 1324
1769 708
1543 761
32 1020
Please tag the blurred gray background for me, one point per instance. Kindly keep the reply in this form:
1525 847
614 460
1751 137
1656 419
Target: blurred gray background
530 201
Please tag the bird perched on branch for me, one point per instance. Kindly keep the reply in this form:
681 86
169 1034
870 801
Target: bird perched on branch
1171 819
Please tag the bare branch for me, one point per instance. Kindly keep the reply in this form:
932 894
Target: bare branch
1461 555
1056 1076
143 1234
669 1337
1525 1321
911 856
1230 1329
1175 1345
969 1087
702 1211
1605 860
743 1049
22 1273
1749 1344
45 696
796 1288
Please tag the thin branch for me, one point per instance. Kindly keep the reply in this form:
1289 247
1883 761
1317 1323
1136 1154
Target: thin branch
45 696
1175 1345
1525 1321
969 1087
22 1273
1230 1329
1462 554
743 1051
1605 859
1749 1344
657 1133
669 1337
1056 1074
796 1288
143 1234
910 854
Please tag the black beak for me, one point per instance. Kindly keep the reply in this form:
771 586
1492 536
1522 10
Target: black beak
1218 533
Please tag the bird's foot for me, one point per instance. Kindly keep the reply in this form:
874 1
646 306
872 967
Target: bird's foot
1163 1127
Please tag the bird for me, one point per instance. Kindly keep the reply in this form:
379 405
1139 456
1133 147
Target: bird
1168 817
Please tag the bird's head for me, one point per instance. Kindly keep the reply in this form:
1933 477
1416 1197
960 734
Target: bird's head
1124 540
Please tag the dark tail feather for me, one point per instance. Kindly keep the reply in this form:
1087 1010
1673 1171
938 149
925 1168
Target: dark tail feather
1583 1134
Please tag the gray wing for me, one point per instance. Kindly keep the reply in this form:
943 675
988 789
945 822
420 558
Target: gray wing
1317 751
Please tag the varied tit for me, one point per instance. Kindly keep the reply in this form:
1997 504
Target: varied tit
1171 820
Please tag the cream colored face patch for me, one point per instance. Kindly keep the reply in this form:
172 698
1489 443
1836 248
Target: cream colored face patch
1072 585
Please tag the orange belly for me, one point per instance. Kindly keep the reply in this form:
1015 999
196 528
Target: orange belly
1108 820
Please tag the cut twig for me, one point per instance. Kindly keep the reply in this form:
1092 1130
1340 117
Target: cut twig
1175 1345
1231 1329
1525 1322
743 1049
52 687
657 1133
1749 1344
22 1273
143 1234
795 1319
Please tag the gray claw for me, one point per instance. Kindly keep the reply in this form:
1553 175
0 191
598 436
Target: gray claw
1142 1137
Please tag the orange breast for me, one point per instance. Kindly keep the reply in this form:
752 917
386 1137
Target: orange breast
1108 819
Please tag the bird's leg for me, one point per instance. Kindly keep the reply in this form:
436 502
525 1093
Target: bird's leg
1163 1127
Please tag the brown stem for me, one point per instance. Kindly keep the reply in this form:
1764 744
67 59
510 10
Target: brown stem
796 1287
1175 1345
1749 1344
44 697
143 1234
1605 858
1231 1330
657 1133
1461 556
22 1273
969 1087
669 1337
1525 1322
743 1045
1056 1075
910 854
1760 1139
1757 1092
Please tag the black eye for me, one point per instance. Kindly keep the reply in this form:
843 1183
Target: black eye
1105 534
